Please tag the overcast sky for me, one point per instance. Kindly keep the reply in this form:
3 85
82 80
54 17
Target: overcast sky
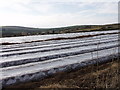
57 13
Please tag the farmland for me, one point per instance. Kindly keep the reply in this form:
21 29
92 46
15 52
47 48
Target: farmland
30 58
102 76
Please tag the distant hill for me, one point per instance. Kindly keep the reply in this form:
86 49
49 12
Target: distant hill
11 31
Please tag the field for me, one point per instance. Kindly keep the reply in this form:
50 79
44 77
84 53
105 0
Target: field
57 54
94 76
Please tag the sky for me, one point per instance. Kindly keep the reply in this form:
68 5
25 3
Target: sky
57 13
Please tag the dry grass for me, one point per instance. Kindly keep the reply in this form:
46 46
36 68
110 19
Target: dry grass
91 29
101 76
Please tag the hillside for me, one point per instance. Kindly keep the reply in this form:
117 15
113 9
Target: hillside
11 31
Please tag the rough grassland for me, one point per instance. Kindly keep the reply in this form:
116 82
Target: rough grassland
95 76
